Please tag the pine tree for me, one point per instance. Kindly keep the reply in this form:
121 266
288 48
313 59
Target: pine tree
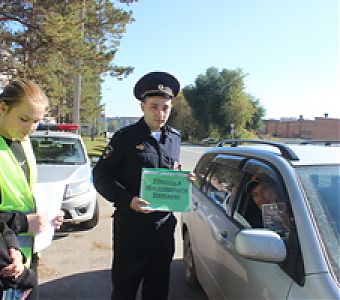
51 41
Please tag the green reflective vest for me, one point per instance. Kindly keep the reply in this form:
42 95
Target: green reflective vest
16 191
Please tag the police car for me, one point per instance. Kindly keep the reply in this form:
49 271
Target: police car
290 248
64 173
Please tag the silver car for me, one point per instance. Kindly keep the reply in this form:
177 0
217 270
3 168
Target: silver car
288 248
64 169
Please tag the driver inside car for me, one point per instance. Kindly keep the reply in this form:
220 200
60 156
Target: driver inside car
266 209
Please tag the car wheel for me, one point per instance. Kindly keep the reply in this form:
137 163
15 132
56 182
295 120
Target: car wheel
94 221
189 264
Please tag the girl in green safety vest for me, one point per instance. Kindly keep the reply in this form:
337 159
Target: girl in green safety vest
22 106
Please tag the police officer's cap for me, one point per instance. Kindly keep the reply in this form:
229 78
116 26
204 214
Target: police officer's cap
156 84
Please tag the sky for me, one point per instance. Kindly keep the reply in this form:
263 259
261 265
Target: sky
288 48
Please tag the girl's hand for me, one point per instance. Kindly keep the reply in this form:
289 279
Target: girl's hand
16 267
36 222
59 219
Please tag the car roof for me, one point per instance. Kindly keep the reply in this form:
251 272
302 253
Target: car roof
51 133
316 154
296 154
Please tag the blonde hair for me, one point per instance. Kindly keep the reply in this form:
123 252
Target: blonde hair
22 90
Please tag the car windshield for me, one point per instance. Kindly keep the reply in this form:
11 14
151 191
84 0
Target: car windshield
322 186
58 150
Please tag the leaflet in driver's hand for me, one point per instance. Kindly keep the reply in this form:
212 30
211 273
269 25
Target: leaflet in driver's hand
166 190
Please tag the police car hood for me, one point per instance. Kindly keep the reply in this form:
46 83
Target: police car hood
63 173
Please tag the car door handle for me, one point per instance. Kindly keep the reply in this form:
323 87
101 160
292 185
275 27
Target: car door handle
223 238
224 234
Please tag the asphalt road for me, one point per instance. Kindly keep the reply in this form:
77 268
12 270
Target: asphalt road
77 264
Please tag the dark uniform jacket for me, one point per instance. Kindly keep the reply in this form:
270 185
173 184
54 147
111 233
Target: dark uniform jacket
117 175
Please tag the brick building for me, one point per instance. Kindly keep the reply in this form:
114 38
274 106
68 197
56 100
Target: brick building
321 128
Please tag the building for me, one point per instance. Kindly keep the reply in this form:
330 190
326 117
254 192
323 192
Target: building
321 128
115 123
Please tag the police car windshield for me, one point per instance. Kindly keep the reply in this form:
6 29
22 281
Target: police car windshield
58 150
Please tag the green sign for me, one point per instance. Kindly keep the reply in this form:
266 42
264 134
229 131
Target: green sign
165 189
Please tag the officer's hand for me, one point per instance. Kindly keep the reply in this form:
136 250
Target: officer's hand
138 204
191 177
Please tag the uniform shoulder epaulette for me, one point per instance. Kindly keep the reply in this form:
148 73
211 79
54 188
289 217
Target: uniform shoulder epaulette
127 128
118 132
173 130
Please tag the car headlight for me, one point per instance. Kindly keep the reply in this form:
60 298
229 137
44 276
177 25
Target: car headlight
76 188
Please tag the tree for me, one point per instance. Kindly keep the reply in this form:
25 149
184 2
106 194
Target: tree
259 112
182 119
50 41
218 99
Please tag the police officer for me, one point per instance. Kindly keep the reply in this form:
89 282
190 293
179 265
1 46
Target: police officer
143 239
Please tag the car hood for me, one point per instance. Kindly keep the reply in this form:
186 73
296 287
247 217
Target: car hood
57 173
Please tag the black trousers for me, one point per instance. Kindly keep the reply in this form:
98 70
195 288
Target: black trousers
142 253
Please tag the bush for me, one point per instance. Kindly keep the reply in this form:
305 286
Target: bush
95 147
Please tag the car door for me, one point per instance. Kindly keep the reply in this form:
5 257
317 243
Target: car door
211 207
238 277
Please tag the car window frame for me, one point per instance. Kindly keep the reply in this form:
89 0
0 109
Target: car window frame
293 266
225 161
202 168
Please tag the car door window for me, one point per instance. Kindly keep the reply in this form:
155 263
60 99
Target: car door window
222 184
263 205
275 214
202 169
266 208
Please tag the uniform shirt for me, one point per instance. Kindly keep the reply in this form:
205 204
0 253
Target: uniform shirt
19 154
117 175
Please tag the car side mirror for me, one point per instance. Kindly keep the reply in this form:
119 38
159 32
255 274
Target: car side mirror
260 245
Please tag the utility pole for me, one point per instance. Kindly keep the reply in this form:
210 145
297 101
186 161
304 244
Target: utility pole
232 130
77 95
77 77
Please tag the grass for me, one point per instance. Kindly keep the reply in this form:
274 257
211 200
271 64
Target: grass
95 147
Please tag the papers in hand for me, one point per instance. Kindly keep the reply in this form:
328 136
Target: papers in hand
48 199
166 190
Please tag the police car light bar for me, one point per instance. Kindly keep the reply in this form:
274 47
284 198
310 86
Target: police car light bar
58 126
